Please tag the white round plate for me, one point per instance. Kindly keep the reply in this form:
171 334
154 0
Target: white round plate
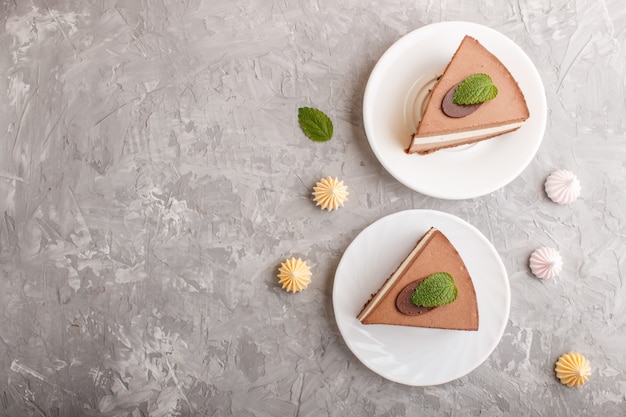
391 102
411 355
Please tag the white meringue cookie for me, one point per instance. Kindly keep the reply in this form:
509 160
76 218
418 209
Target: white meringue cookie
562 187
546 263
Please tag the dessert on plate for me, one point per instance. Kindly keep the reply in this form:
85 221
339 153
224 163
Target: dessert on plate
445 123
432 260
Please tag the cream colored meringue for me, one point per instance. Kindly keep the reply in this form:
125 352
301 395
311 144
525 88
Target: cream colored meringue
294 275
572 369
330 193
546 263
562 187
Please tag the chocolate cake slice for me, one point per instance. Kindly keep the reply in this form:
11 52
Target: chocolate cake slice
505 113
433 253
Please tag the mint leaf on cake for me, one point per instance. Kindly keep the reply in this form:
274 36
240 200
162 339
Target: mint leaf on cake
477 88
315 124
436 290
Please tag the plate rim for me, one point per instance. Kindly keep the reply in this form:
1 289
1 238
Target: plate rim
477 233
381 65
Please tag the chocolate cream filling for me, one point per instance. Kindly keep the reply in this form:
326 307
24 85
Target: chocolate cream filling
451 109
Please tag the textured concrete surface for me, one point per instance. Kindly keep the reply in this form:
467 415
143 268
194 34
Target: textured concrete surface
153 177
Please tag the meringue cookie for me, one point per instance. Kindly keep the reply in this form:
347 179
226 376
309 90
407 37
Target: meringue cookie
562 187
546 263
572 369
330 193
294 275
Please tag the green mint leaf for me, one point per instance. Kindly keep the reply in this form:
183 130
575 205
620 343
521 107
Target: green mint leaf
477 88
315 124
436 290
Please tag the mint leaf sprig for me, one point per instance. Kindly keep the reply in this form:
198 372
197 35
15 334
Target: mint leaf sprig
477 88
436 290
315 124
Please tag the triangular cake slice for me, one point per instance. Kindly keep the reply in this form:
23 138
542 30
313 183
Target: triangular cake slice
505 113
432 253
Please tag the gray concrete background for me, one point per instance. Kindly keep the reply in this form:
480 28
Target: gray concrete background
153 176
